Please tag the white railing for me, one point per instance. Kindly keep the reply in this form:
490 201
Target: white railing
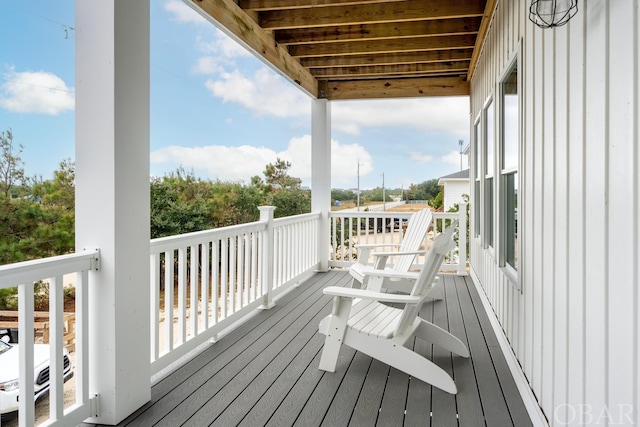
23 276
349 229
218 276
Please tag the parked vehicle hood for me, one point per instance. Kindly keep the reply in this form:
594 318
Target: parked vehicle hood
10 361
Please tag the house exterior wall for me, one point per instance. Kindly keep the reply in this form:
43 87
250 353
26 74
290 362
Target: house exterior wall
571 310
453 191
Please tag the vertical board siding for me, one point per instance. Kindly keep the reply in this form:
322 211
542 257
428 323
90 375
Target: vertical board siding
573 322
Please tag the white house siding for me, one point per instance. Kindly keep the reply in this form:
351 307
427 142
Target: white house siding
453 191
573 322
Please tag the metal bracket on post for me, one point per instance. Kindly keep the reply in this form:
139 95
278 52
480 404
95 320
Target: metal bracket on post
95 260
94 405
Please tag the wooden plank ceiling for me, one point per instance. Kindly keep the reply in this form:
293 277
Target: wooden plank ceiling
360 49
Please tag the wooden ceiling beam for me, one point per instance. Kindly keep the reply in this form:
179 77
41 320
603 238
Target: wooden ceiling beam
263 5
382 46
459 67
396 88
388 59
489 10
236 23
343 33
408 10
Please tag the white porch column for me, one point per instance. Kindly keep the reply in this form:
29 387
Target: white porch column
321 173
112 196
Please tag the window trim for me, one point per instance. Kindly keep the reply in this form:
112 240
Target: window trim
486 175
511 272
477 175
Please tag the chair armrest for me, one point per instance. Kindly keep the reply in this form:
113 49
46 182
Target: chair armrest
375 245
368 271
388 254
339 291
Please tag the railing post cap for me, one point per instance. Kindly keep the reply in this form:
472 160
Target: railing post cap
266 208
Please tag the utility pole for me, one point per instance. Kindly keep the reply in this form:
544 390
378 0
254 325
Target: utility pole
460 142
358 195
384 200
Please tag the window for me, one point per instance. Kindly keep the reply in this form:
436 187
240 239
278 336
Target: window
510 141
489 166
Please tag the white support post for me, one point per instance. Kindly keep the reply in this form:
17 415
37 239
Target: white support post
462 239
266 215
112 197
321 174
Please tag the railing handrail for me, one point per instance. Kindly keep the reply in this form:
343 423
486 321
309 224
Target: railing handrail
162 244
369 214
295 218
38 269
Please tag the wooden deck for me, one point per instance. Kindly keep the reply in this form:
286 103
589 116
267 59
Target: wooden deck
266 373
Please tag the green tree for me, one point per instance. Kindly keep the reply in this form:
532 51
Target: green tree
11 165
342 195
178 205
289 202
426 190
438 200
277 176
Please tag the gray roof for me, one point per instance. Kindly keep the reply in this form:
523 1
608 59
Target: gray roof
463 174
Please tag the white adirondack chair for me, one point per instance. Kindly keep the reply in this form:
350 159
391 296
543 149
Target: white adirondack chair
408 250
361 321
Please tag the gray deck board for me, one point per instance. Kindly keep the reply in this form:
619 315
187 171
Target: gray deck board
266 373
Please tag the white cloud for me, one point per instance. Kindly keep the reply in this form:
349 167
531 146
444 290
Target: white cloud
208 65
265 93
36 92
420 157
182 13
241 163
449 115
221 45
453 158
219 162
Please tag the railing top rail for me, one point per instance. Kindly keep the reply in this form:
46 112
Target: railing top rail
445 215
38 269
162 244
362 214
296 218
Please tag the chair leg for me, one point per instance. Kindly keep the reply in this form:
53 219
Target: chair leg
401 358
436 335
334 327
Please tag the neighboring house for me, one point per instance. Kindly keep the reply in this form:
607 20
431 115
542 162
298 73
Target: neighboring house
455 185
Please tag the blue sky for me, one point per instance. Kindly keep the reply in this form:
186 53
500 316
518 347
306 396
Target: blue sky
215 108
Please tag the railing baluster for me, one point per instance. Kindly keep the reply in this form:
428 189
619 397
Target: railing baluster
182 294
240 274
224 271
247 267
204 284
154 270
25 337
215 280
169 278
56 312
193 305
82 337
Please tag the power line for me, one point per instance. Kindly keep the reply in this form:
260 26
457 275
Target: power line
66 28
40 86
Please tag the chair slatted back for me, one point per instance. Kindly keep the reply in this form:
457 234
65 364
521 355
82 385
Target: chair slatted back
442 244
413 238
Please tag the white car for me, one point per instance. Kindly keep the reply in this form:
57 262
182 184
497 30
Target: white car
9 372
